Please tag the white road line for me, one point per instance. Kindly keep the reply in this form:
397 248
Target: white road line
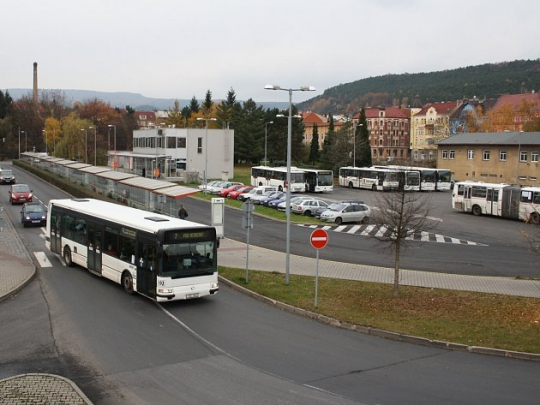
42 259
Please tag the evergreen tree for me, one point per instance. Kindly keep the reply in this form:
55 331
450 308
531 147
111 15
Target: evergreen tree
225 111
363 146
5 104
207 104
194 105
328 144
314 153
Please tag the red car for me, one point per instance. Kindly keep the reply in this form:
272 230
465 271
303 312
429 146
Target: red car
19 194
234 194
225 192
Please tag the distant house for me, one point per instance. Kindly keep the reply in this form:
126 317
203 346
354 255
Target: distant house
429 125
512 112
145 119
500 157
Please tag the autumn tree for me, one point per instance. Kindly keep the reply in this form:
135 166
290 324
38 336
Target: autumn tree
175 117
399 215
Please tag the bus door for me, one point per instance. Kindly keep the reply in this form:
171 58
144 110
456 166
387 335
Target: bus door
56 237
95 241
492 202
467 204
147 269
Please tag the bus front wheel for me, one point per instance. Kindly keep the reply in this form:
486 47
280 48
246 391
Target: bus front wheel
67 256
374 187
350 184
476 210
127 282
535 218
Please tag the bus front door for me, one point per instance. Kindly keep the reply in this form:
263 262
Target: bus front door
147 268
94 248
467 205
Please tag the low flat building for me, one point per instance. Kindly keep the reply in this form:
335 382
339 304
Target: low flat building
496 157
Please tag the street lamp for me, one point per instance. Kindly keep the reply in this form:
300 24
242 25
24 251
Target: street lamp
95 144
86 145
206 150
45 132
266 140
113 126
20 142
288 192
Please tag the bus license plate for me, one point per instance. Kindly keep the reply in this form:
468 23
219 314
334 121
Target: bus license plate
194 295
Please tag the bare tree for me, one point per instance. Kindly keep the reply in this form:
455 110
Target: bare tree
400 215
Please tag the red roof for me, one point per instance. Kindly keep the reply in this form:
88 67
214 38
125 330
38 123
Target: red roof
515 100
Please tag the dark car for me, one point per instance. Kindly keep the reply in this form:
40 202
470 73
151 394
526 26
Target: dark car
19 194
7 177
33 213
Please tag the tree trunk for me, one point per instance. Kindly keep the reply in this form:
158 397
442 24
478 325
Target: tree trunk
396 271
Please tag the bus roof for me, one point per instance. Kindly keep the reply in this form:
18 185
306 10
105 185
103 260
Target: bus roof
127 216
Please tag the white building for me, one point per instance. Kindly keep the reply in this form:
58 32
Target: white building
181 153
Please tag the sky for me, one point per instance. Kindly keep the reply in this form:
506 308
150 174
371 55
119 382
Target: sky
179 49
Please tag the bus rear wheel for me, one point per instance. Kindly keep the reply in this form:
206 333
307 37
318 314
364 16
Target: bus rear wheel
535 218
67 256
476 210
127 282
374 187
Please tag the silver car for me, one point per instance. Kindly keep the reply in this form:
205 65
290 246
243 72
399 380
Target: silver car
347 213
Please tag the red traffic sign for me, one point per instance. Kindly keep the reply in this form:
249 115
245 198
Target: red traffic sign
319 238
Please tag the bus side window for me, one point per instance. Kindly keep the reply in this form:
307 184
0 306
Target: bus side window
536 198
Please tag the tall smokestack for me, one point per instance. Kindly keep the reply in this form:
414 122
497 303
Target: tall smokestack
35 84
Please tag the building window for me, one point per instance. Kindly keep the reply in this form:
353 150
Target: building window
199 146
452 154
534 157
445 154
523 156
486 155
502 156
470 154
181 143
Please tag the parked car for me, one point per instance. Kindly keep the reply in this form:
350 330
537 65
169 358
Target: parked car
281 206
347 213
216 189
225 192
319 211
258 199
255 191
212 183
33 213
7 176
308 207
234 194
278 195
19 194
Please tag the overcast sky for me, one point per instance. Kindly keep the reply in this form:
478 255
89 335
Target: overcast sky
180 49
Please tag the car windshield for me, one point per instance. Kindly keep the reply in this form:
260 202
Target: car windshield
21 188
7 173
337 207
34 208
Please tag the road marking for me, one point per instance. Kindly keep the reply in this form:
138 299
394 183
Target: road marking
42 259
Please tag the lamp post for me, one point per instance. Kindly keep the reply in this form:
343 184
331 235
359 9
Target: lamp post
266 140
85 145
206 149
20 142
114 127
288 192
45 132
95 144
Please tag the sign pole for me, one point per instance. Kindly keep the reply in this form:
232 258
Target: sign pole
317 280
318 239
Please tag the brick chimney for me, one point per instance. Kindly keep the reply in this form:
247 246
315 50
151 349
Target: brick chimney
35 84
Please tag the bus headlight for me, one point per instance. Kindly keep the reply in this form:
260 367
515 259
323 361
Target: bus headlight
165 291
214 286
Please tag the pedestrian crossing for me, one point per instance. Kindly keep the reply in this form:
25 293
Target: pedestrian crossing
377 231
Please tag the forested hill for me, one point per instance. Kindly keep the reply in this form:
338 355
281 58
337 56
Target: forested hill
488 80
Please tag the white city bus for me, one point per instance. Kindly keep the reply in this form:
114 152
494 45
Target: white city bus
160 257
319 180
497 199
370 178
277 176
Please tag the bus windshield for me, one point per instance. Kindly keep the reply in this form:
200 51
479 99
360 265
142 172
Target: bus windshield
188 259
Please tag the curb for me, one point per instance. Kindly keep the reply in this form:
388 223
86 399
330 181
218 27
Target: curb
396 336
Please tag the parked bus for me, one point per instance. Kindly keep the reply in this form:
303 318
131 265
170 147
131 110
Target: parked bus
370 178
501 200
160 257
430 179
444 180
277 176
318 180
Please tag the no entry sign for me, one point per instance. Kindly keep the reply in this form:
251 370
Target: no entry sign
319 238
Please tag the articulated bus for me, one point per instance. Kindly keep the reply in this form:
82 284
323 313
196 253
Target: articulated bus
277 176
370 178
497 199
319 181
160 257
